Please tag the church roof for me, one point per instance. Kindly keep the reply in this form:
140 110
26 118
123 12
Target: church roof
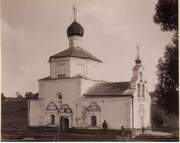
110 89
75 52
79 76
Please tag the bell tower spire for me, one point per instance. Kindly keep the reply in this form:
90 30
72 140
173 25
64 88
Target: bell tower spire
138 69
137 60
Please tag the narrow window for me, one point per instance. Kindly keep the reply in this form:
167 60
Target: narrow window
59 96
139 89
80 69
52 119
141 76
143 90
93 121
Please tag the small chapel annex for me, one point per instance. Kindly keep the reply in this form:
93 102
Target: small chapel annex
74 96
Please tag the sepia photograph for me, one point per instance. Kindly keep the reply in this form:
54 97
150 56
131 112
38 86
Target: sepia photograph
89 70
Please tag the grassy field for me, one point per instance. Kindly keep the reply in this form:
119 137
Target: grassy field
14 114
74 136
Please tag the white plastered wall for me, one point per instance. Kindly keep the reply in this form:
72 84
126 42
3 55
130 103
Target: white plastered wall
142 100
60 66
90 68
36 113
68 88
116 111
71 66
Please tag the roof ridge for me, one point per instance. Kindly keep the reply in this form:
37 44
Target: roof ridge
75 52
118 82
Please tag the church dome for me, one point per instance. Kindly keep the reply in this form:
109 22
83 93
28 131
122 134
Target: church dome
75 29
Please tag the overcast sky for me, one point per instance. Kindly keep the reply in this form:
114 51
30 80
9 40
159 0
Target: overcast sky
33 30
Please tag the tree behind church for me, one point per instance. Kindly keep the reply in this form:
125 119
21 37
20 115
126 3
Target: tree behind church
29 95
167 88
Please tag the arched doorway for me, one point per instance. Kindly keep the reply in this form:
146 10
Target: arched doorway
64 124
65 118
93 115
93 121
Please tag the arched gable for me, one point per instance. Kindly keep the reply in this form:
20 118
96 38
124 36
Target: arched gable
65 109
52 106
93 107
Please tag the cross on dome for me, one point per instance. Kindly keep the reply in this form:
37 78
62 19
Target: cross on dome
137 47
138 60
74 11
75 29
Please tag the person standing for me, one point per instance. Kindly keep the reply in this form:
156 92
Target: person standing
123 133
143 130
104 126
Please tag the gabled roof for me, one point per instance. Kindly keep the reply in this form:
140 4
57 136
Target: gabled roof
110 89
75 52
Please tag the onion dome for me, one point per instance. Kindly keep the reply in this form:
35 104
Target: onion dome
137 61
75 29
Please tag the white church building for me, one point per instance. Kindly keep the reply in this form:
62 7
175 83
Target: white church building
74 95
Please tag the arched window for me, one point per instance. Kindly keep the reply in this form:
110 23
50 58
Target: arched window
139 90
52 120
143 90
59 96
141 76
93 121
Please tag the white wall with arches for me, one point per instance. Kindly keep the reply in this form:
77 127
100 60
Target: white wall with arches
116 112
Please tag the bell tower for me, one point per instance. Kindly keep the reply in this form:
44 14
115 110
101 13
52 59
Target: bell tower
137 71
74 61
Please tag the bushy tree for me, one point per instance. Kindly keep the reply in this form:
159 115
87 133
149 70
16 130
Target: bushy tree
29 95
36 96
2 96
168 86
167 15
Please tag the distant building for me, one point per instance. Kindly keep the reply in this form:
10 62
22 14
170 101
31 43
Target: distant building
73 95
11 99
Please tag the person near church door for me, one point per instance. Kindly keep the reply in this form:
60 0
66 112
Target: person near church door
104 126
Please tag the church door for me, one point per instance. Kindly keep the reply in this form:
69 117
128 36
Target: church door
64 124
93 121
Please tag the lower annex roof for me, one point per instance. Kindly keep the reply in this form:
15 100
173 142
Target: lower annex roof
110 89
